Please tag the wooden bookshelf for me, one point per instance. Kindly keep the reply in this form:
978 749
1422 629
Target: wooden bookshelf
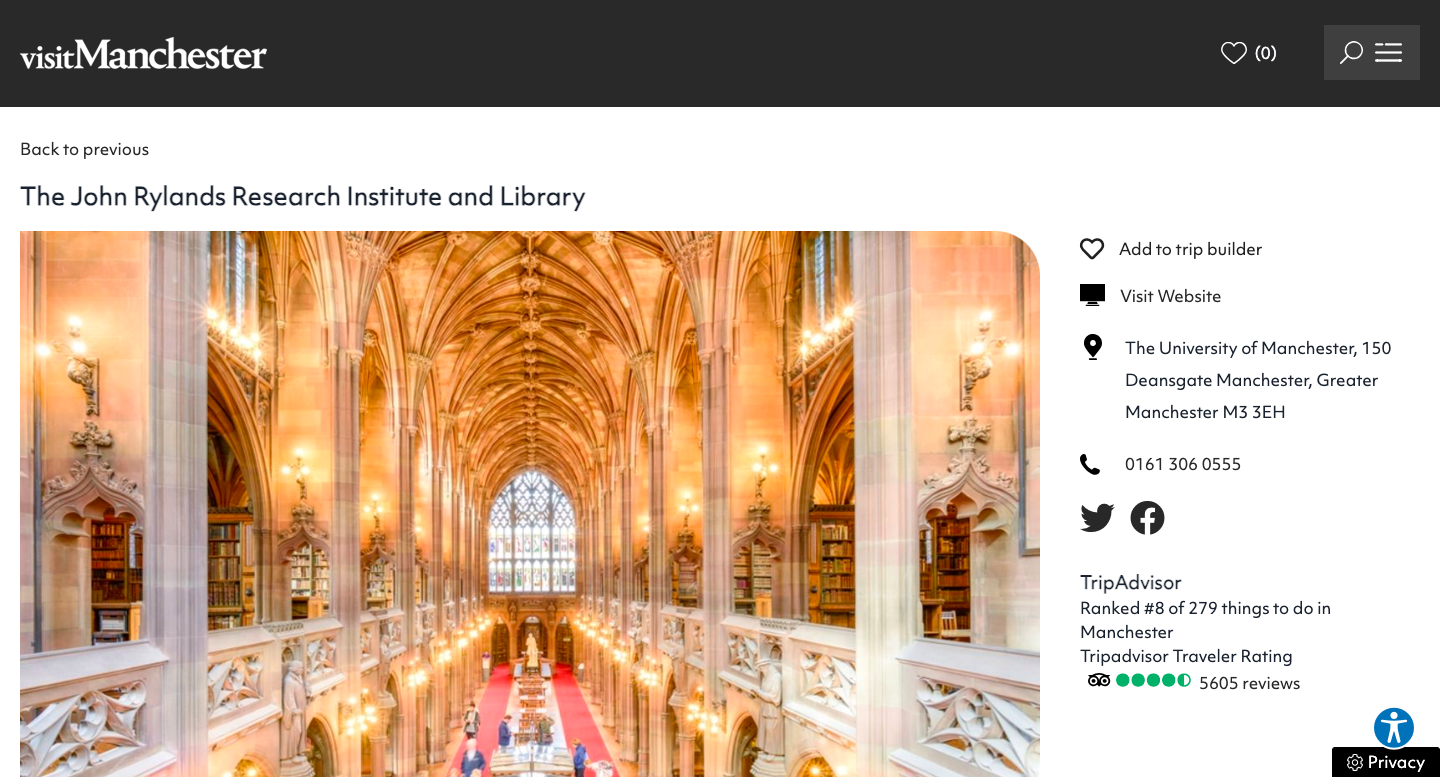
832 572
309 583
379 585
684 583
754 574
116 578
947 588
228 569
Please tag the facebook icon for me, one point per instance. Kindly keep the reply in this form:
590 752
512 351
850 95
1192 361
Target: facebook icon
1147 518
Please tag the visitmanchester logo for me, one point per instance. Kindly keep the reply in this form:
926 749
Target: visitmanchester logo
169 57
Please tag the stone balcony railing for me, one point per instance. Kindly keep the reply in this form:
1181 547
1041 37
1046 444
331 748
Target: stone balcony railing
88 711
243 673
977 710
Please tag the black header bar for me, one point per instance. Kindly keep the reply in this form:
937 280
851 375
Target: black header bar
1212 54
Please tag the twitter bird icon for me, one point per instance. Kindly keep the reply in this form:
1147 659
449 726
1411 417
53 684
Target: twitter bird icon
1095 520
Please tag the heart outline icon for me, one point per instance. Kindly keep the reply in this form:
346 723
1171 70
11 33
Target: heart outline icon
1084 243
1226 54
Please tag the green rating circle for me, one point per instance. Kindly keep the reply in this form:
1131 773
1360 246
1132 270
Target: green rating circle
1137 680
1153 680
1168 679
1122 680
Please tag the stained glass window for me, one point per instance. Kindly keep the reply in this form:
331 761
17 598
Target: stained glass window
532 537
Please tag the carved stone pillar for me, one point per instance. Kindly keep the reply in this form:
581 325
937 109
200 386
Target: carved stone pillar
685 743
642 749
887 579
175 502
405 574
658 436
384 709
716 594
627 730
346 585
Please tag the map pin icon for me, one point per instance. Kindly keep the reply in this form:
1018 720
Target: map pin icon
1092 344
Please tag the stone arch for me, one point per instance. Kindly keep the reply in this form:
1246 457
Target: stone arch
321 750
741 752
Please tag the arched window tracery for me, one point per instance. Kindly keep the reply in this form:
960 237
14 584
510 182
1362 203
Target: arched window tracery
532 537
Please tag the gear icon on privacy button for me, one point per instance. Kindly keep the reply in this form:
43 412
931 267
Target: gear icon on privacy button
1355 762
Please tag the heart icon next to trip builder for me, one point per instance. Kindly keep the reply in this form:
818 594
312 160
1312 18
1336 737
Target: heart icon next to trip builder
1092 246
1233 51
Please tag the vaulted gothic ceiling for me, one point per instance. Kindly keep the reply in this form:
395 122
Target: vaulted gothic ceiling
528 336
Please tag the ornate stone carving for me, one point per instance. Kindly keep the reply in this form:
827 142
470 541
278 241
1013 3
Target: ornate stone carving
829 681
77 733
999 735
355 356
294 696
90 477
604 238
743 653
233 684
362 249
770 734
84 371
419 361
391 639
672 637
319 657
693 253
454 238
970 473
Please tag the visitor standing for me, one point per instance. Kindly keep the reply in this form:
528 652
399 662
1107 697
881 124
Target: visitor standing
472 721
505 731
473 763
581 758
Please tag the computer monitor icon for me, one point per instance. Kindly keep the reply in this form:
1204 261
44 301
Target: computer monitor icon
1092 294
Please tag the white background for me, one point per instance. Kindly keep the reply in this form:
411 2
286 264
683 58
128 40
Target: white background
1334 502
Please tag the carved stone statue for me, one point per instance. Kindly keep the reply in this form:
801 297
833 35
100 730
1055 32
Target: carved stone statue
532 653
771 734
295 694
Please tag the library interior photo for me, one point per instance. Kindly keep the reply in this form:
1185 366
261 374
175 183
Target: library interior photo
664 504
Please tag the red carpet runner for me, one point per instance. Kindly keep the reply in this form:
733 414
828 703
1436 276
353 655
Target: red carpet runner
492 709
575 716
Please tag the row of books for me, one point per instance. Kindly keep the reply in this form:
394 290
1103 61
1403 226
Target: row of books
103 529
224 595
837 581
225 548
840 549
951 546
835 531
960 597
961 564
224 531
832 596
837 565
954 580
225 568
97 565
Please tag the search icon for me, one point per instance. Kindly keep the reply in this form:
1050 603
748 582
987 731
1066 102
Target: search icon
1359 51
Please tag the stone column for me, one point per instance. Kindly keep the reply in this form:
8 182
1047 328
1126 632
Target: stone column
887 575
405 574
642 743
346 585
607 539
436 719
384 708
174 618
658 437
718 527
626 730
